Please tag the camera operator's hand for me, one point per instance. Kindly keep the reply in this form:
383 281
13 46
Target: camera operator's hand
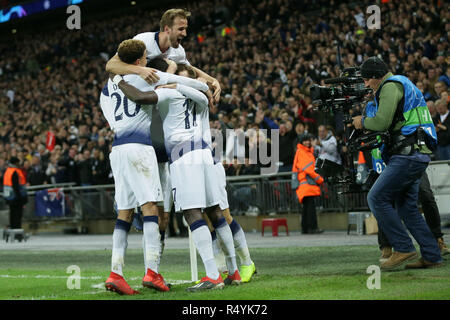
357 122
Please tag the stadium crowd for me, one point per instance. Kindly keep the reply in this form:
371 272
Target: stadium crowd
265 54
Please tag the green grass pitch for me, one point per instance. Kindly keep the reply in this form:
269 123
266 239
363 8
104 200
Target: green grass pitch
292 273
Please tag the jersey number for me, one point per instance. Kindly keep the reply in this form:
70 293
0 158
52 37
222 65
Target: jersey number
187 125
119 117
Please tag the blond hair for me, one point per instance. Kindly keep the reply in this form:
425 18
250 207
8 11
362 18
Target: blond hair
169 16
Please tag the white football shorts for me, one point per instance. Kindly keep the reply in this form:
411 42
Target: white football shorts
166 185
222 181
194 181
136 176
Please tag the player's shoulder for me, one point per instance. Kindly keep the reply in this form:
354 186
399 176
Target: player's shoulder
145 36
168 94
178 55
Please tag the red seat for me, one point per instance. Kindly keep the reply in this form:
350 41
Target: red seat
274 223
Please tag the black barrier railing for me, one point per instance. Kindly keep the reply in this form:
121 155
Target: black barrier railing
250 195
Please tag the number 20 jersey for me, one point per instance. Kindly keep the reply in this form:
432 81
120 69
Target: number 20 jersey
129 121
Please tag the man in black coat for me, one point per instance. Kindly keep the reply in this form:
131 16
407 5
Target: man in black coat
442 124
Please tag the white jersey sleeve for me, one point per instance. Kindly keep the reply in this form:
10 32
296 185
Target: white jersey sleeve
151 40
171 78
199 98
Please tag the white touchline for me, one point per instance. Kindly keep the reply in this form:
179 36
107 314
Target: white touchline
43 276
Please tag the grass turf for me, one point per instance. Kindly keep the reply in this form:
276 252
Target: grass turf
292 273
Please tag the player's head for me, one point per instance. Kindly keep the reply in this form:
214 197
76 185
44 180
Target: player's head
158 64
133 52
186 71
174 23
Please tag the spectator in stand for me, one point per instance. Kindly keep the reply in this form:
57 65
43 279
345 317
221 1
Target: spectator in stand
426 95
100 168
85 168
442 124
287 138
52 169
245 195
431 108
326 146
36 175
68 167
439 88
446 77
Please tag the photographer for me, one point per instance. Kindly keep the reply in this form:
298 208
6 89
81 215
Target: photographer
401 110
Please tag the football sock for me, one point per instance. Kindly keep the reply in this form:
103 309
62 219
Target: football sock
202 240
215 243
143 250
240 243
226 241
120 243
219 257
152 242
161 249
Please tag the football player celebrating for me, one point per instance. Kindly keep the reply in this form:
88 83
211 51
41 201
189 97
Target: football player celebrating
166 44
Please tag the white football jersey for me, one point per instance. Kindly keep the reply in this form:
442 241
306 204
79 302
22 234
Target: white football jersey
150 39
179 110
129 122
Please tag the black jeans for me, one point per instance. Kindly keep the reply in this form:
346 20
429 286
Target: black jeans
430 211
309 216
15 214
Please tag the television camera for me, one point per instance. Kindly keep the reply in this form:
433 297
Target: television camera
344 94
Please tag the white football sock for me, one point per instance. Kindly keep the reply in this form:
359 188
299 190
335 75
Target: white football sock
225 236
240 243
219 257
202 240
120 243
152 244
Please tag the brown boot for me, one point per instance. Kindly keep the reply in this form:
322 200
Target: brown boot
443 247
386 253
423 264
397 259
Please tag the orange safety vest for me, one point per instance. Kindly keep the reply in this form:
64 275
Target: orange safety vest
8 191
309 180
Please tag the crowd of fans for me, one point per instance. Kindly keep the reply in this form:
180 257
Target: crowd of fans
50 82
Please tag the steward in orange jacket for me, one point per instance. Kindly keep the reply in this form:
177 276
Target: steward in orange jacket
304 164
14 183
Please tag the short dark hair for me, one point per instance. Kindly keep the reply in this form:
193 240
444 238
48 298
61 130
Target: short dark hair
158 64
184 67
14 160
130 50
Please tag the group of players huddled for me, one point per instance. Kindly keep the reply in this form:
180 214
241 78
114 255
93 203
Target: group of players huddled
151 76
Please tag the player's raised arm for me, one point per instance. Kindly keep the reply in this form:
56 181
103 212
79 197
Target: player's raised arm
117 66
195 84
162 66
134 94
214 81
195 95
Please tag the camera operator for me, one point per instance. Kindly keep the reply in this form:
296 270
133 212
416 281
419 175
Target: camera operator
402 111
